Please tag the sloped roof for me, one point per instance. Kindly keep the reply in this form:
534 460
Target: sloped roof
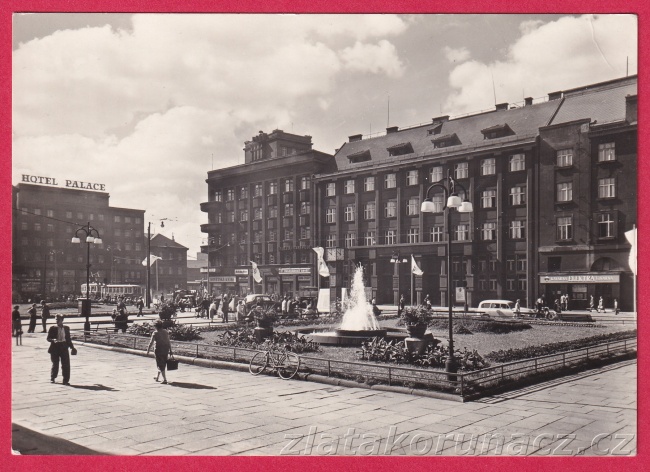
523 121
163 241
601 102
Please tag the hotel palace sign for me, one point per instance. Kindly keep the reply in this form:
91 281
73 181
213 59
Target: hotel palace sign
580 279
35 179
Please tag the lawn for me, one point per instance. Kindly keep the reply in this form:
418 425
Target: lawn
484 343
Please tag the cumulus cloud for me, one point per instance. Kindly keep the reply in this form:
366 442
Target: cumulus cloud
548 57
456 55
148 110
374 58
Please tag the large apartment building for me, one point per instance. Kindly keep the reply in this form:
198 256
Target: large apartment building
45 262
552 182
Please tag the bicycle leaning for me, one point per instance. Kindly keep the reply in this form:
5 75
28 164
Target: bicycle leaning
280 360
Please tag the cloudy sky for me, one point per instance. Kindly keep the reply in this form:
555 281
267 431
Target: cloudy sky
148 103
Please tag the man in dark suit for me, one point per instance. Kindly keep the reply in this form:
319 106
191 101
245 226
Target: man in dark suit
59 338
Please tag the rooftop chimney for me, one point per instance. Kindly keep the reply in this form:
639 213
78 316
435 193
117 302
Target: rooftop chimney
392 129
355 137
440 119
502 106
631 108
528 101
555 95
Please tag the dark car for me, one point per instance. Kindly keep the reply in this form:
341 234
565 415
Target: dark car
252 300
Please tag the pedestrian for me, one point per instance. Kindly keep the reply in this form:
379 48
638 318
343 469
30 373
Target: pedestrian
140 305
567 299
616 308
517 309
225 308
32 318
283 306
591 303
241 310
45 314
162 350
427 301
59 338
16 326
600 305
563 301
213 309
375 310
558 306
400 305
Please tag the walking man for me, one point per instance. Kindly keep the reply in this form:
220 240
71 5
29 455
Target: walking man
59 338
400 305
45 314
600 305
140 305
224 308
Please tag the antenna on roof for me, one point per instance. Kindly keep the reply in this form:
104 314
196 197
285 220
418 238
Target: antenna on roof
388 117
494 90
627 64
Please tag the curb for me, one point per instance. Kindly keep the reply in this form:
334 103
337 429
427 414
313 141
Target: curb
215 364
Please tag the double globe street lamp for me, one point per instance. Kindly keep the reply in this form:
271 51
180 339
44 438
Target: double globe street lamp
91 236
453 200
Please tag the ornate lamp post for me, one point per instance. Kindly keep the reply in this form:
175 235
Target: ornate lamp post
452 201
92 236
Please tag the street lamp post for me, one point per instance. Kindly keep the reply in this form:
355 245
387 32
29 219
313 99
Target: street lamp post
92 236
452 201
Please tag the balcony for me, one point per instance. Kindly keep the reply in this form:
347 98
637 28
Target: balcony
287 197
287 222
257 225
270 224
210 227
272 200
303 220
207 206
304 195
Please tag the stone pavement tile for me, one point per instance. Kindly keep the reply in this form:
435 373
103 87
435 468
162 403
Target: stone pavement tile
527 425
65 429
213 451
200 444
463 420
474 429
157 444
242 446
545 418
433 428
578 420
429 418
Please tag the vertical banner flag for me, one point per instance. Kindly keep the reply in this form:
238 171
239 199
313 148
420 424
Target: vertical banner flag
631 238
414 267
257 277
323 270
153 259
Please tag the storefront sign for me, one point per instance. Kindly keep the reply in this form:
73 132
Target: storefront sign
204 270
294 270
304 278
586 278
241 271
223 279
35 179
242 279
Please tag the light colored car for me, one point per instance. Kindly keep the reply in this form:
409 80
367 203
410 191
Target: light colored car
504 309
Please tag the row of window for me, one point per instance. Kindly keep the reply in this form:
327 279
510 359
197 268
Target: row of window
288 257
606 189
80 216
606 153
258 189
272 212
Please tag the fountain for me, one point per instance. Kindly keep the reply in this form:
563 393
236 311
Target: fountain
359 322
358 319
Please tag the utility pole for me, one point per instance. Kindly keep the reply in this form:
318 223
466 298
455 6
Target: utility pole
149 265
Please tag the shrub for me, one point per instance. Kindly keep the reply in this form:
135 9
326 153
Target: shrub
479 326
435 355
177 332
528 352
246 338
167 310
415 315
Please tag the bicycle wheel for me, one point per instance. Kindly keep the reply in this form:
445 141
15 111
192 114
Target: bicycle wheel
288 367
259 362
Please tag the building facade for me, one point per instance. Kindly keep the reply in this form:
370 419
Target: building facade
45 262
262 211
552 182
168 273
549 206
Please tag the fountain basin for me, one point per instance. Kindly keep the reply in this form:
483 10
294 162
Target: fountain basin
340 337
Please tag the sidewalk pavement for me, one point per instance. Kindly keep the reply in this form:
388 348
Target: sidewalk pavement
115 407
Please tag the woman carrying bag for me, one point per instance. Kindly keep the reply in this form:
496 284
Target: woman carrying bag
162 351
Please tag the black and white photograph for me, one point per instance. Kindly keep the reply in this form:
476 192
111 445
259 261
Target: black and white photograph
272 234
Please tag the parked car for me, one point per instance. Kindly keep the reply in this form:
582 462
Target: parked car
506 309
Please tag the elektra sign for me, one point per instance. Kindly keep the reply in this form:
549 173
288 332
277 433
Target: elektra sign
35 179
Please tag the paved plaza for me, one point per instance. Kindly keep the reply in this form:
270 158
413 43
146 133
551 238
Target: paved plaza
114 406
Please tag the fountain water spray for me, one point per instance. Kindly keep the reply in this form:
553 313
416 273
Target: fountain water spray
359 316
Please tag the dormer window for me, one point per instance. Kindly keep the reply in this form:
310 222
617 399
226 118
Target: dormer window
436 128
361 156
445 140
498 131
400 149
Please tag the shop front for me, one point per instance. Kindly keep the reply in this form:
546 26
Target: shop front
581 287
